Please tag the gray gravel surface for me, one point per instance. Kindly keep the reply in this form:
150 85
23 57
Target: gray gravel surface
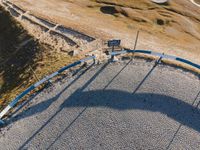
133 105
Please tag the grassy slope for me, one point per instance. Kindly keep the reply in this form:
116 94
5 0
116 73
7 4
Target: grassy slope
171 20
15 72
174 24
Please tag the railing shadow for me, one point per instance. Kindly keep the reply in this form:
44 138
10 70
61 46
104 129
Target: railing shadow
45 104
54 115
77 95
174 108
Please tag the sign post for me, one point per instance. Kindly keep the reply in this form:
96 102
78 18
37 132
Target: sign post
113 43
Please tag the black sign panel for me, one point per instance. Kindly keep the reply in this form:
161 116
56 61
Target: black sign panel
114 43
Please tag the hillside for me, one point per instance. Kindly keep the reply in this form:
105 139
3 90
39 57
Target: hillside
173 28
18 52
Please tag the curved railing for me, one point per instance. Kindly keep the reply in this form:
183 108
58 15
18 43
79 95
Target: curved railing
47 78
161 55
32 87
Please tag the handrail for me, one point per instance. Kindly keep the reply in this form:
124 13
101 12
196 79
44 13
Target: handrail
148 52
32 87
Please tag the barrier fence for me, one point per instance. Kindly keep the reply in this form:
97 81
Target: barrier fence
47 78
157 54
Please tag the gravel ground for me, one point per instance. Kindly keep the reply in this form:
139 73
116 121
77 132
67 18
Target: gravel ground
126 105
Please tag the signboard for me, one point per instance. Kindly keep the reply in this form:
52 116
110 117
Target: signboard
112 43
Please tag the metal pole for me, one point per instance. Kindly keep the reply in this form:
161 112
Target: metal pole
112 57
136 40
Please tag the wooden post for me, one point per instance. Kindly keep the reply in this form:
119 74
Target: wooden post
34 74
136 40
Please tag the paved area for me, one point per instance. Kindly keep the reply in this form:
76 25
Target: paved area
127 105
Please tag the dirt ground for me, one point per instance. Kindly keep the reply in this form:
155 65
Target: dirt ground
197 1
16 60
173 28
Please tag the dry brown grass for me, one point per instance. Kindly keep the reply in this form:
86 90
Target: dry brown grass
175 25
15 72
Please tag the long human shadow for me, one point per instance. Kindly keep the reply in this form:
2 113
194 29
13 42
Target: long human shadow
79 90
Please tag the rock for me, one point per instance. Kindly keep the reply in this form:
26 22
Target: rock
160 1
73 53
114 59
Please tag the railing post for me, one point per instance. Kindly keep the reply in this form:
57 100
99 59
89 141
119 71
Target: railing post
112 56
158 60
2 123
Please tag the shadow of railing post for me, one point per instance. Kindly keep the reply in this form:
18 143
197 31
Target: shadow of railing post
53 116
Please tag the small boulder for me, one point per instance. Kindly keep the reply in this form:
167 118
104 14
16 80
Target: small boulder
73 53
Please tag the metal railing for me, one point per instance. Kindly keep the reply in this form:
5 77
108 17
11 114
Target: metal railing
45 79
162 55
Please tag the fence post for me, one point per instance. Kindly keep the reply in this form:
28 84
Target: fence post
112 57
158 60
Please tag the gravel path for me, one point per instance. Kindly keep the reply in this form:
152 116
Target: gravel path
123 105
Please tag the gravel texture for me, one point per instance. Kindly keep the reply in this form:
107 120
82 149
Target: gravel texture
124 105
